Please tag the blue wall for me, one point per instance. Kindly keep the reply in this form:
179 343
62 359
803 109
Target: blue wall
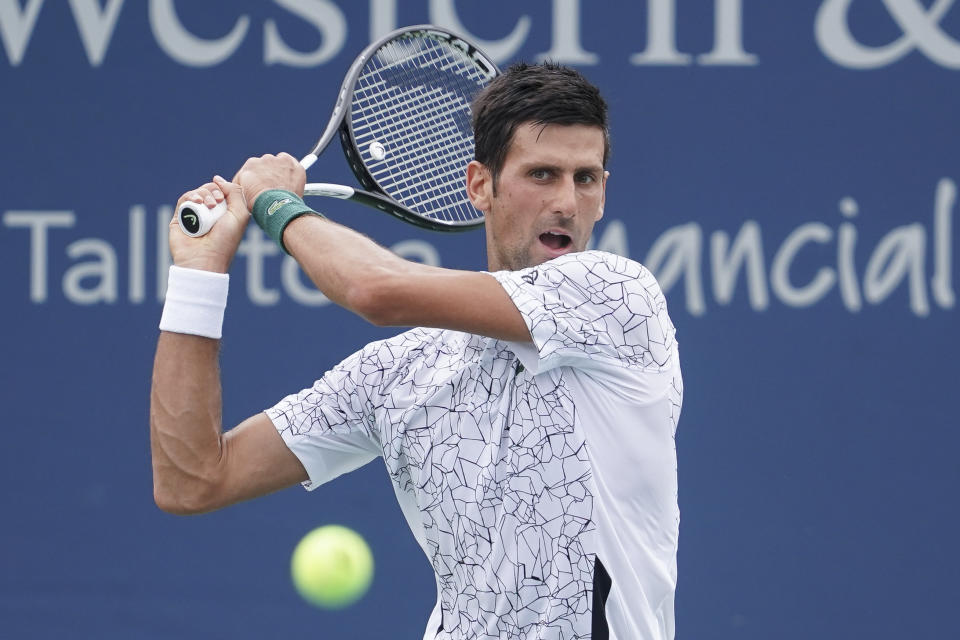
788 169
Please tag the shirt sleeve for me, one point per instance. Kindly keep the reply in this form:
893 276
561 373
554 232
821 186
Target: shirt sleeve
331 426
591 310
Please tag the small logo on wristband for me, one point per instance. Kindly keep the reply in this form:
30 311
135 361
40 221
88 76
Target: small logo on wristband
273 208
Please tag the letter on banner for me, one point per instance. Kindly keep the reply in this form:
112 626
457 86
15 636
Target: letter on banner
38 222
328 20
103 269
728 37
676 254
565 46
920 26
16 27
944 202
780 270
899 253
383 18
254 248
443 13
661 36
726 262
186 48
96 27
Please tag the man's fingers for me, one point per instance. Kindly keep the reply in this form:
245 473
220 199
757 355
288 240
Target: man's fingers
210 194
201 195
232 192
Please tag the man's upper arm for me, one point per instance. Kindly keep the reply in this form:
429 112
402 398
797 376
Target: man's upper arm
468 301
256 461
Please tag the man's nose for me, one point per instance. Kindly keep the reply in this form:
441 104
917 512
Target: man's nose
565 198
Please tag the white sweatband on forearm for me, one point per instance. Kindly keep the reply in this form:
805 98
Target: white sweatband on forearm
195 302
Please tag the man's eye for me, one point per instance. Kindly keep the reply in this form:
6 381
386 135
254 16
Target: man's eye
540 174
586 178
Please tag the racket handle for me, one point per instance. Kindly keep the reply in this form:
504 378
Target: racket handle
196 219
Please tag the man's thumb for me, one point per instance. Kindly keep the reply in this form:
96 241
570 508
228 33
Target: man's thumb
232 192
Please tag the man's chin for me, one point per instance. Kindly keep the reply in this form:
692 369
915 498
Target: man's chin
540 257
536 256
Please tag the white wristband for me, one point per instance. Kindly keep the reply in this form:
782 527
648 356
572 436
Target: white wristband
195 302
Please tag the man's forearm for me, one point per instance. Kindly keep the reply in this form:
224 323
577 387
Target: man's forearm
356 273
349 268
185 421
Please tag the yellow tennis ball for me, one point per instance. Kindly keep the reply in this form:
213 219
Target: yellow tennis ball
332 567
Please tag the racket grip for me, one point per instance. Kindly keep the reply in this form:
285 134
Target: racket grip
196 219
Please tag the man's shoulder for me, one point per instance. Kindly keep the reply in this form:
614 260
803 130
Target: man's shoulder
596 304
596 268
595 261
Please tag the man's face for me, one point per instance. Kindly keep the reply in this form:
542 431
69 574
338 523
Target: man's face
549 195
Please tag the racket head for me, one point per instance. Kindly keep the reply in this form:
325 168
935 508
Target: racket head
406 123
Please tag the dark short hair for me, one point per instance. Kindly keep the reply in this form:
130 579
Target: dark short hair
546 93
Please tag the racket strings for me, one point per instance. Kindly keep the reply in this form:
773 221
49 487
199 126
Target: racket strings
433 126
413 98
442 163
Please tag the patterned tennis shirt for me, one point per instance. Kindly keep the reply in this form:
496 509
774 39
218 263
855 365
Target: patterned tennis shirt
539 478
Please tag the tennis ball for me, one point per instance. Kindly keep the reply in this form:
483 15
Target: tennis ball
332 567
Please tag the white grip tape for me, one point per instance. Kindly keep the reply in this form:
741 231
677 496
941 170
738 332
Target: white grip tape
196 219
195 302
308 161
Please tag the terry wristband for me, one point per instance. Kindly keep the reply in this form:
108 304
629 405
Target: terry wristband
195 302
275 209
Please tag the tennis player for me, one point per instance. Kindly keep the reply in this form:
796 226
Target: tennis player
528 422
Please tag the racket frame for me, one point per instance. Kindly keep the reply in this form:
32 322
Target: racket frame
340 124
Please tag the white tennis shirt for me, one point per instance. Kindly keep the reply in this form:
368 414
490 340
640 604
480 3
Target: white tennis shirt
539 478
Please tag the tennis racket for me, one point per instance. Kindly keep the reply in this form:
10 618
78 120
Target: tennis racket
403 119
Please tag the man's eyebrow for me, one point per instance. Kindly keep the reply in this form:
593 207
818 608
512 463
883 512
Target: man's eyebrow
533 164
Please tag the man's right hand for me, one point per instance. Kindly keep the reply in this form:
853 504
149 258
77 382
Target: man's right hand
215 250
281 171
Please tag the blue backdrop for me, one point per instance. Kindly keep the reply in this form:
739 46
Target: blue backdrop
788 169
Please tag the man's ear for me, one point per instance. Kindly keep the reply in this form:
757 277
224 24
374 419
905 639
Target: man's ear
479 185
603 195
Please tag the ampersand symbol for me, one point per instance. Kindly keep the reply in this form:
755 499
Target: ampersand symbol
920 26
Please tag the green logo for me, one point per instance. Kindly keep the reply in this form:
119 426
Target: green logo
272 209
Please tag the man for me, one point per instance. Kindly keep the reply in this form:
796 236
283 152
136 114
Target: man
529 434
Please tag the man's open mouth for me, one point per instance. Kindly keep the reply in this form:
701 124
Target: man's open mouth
555 240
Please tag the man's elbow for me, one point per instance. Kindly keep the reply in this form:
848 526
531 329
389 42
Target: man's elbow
169 504
182 503
377 301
